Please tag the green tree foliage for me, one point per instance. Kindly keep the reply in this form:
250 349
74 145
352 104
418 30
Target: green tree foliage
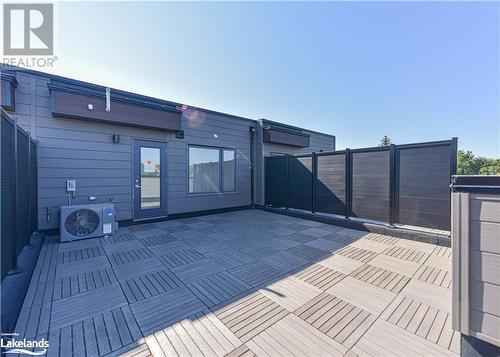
468 164
385 141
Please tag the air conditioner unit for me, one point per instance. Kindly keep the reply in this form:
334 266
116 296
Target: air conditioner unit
87 221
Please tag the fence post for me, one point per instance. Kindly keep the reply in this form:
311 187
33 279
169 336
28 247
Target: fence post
314 163
287 181
348 183
266 180
16 200
453 158
392 183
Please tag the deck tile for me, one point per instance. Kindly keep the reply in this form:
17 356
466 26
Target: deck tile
256 273
320 276
290 292
150 284
217 288
359 254
337 318
250 316
381 278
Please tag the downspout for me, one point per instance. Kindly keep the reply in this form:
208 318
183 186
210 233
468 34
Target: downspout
252 164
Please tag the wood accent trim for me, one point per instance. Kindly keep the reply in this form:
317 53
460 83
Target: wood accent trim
75 106
285 137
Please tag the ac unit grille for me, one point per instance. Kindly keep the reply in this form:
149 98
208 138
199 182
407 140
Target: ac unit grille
82 222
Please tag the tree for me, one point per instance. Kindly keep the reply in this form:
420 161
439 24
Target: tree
468 164
385 141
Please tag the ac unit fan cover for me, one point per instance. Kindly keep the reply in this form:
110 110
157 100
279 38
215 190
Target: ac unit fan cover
82 222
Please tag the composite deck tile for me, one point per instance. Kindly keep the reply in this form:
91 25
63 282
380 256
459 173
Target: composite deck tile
177 228
33 320
440 262
69 269
128 271
338 319
395 264
80 283
167 248
316 232
123 246
412 244
340 263
45 268
386 339
229 257
325 244
79 307
429 294
412 255
380 238
215 289
320 276
256 273
129 256
242 351
307 252
39 293
197 270
251 315
180 257
291 336
359 254
370 245
202 334
290 292
434 275
364 295
259 251
120 237
285 262
135 349
441 251
96 336
381 278
163 310
150 284
79 244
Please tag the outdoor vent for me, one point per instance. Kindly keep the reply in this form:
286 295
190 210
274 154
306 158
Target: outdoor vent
179 134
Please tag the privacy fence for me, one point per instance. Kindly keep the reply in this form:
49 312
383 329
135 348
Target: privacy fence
398 184
19 191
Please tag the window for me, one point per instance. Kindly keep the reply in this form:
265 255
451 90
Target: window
207 174
229 171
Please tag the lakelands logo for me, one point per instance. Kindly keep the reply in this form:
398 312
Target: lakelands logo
24 346
28 31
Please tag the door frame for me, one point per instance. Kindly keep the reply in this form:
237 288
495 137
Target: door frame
161 212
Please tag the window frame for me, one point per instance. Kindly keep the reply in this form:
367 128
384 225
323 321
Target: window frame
221 150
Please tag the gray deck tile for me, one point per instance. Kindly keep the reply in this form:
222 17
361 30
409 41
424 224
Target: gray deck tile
160 311
197 270
79 307
217 288
180 257
256 273
80 283
150 284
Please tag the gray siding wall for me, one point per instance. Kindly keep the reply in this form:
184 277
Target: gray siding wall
318 142
476 239
75 149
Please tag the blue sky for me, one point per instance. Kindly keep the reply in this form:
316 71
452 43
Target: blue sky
415 71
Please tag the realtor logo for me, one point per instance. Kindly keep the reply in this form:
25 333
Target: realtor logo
28 29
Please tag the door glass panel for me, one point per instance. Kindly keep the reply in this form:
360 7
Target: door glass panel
150 178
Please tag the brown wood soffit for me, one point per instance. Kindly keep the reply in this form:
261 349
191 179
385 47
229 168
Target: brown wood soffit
8 90
76 106
284 137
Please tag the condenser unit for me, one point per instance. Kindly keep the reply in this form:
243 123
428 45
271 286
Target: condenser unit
87 221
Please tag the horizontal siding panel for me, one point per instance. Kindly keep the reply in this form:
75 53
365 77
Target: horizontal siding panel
485 267
484 297
485 236
485 208
84 163
77 173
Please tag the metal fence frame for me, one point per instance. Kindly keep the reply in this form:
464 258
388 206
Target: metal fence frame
19 208
394 172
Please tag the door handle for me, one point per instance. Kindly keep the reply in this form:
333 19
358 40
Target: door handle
137 186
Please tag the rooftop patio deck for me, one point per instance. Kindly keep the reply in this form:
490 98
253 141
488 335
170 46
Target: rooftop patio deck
241 284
